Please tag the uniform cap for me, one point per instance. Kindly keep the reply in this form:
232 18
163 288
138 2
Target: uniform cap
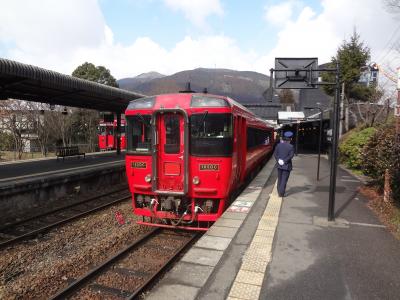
288 134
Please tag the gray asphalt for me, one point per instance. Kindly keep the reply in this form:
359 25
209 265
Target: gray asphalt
340 261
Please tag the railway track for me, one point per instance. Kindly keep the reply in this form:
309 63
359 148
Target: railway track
30 227
128 273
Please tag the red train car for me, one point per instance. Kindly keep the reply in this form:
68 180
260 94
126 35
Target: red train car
187 153
106 135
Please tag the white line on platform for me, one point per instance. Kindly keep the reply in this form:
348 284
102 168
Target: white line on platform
350 180
367 224
248 281
58 171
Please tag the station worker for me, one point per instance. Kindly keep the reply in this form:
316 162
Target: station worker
283 154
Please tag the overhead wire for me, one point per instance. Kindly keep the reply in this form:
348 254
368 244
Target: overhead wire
383 54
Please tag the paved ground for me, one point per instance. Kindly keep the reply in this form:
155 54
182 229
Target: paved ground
355 258
287 249
8 171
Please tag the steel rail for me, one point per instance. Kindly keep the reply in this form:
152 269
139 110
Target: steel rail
162 268
60 209
63 221
80 281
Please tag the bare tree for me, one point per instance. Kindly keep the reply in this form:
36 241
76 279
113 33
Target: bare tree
392 6
61 125
370 111
16 122
38 113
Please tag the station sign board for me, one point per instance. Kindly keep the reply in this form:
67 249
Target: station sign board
296 73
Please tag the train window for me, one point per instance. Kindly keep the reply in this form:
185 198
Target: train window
142 103
207 101
211 134
172 134
138 134
257 137
102 130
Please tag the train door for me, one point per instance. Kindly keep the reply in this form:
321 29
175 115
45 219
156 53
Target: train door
110 137
238 142
170 161
242 148
102 137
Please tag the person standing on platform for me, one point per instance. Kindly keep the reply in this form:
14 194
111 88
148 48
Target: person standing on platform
283 154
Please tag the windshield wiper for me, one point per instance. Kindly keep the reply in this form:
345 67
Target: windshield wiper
198 126
143 120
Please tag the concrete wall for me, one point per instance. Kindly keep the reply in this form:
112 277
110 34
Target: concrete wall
33 196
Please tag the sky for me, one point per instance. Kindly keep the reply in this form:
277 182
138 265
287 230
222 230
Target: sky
131 37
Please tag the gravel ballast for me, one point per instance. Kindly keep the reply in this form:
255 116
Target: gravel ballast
37 268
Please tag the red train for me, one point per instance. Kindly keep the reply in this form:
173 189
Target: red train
106 135
186 155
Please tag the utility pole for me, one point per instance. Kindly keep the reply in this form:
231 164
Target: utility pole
342 116
397 111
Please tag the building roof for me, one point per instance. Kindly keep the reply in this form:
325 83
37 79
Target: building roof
27 82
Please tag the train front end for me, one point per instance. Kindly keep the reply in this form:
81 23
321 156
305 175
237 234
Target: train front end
179 159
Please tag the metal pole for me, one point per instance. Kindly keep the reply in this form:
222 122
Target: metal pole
118 133
271 72
320 141
297 137
335 141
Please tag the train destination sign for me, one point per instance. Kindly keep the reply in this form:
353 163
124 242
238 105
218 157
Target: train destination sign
209 167
139 165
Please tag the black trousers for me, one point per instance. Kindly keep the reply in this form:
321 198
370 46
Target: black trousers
283 176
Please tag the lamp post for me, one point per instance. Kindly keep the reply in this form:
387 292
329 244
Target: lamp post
320 136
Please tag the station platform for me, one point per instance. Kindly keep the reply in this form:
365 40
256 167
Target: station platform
31 169
40 183
267 247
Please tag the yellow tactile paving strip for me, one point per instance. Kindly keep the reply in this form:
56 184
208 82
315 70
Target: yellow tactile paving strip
248 281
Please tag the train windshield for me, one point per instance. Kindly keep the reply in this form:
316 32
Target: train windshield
106 130
138 134
211 134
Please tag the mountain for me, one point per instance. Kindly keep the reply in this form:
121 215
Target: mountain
131 83
243 86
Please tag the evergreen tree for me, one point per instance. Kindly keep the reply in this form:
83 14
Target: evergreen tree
97 74
84 121
352 56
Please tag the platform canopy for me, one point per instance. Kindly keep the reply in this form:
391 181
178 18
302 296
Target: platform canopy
31 83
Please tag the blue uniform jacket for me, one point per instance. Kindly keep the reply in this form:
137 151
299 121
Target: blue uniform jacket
284 151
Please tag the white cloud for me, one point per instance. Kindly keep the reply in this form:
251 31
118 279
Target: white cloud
196 11
62 35
319 35
35 26
279 14
145 55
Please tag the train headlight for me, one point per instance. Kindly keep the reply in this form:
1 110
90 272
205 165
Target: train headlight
196 180
147 178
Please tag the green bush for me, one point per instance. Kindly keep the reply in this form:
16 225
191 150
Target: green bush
351 146
379 154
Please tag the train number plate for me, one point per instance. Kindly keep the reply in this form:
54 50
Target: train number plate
209 167
139 165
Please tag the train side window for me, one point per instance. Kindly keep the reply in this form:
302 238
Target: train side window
211 134
138 134
172 134
257 137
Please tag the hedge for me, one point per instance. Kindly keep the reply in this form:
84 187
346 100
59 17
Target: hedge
379 154
350 148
